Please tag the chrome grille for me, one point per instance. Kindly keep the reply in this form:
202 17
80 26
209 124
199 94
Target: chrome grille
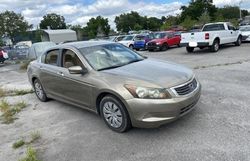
187 88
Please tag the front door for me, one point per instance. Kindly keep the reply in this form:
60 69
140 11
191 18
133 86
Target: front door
76 88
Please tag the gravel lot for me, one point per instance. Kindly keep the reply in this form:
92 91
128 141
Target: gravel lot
218 129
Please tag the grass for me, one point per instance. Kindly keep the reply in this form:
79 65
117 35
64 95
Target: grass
22 92
9 111
15 92
31 155
18 144
2 92
35 136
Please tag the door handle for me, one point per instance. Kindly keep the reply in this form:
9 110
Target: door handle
40 67
231 32
60 73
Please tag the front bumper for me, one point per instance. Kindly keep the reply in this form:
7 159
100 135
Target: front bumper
245 38
149 113
154 47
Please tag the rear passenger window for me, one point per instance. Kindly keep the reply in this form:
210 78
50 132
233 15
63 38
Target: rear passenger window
52 57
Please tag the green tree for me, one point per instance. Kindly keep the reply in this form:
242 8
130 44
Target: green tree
229 12
12 24
98 25
196 8
188 23
170 21
153 23
53 21
204 18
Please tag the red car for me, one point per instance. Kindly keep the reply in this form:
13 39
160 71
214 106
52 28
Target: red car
3 55
163 40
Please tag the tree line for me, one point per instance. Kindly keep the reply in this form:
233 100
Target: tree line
197 12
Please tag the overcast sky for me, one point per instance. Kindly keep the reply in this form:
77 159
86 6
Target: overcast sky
80 11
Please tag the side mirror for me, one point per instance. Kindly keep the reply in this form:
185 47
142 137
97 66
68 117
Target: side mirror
77 70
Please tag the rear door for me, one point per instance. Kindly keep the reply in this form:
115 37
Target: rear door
50 72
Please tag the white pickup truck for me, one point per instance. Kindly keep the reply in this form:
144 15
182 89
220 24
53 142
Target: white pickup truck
212 35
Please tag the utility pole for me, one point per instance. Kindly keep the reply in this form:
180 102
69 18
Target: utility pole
240 9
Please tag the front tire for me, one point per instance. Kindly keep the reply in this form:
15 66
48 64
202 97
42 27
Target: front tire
40 93
190 49
239 41
164 47
114 114
131 47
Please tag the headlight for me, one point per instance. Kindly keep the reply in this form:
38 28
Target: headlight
158 43
148 93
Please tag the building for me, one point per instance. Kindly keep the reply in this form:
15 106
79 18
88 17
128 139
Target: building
58 36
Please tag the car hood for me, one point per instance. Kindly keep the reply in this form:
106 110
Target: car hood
125 41
245 33
152 72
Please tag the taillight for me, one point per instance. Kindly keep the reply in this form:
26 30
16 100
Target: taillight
206 36
1 53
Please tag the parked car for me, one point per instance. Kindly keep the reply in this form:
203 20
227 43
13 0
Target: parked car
123 87
116 38
3 55
21 51
38 48
212 35
128 41
141 41
245 31
163 40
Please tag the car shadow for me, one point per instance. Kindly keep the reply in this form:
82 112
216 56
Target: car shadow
208 51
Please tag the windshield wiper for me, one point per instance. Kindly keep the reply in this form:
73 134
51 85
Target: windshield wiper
119 65
111 67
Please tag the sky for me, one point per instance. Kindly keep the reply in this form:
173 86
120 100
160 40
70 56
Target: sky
80 11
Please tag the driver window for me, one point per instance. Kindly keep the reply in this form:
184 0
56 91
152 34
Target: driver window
69 59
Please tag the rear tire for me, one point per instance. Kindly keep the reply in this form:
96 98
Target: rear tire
150 50
190 49
114 114
239 41
40 93
215 46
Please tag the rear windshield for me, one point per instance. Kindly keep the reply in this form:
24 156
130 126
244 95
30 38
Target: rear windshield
214 27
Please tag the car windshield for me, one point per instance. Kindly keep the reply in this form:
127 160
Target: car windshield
109 56
160 35
245 28
129 37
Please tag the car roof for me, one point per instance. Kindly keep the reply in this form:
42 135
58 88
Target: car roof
82 44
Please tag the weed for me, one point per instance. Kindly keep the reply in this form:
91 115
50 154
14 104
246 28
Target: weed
2 92
9 111
21 92
18 144
35 136
31 155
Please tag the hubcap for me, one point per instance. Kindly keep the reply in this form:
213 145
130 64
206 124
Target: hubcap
39 90
112 114
216 46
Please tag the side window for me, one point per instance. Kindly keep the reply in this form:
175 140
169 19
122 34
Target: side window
52 57
171 35
69 59
231 27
